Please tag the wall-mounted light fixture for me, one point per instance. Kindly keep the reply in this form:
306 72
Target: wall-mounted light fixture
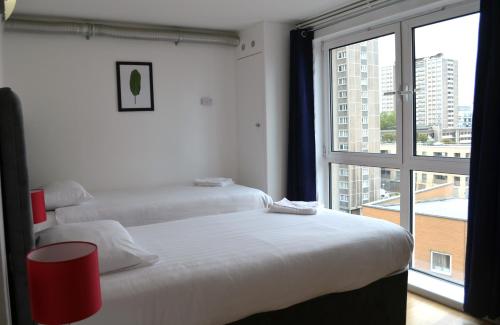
9 6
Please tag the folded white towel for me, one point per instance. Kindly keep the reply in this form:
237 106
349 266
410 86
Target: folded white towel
294 207
213 181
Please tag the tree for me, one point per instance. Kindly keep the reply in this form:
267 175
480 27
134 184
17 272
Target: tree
388 137
422 137
388 120
135 84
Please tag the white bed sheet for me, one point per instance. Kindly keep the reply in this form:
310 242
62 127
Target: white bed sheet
218 269
154 205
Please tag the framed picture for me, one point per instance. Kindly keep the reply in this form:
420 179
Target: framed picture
135 86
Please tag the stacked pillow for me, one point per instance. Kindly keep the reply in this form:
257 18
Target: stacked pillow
115 247
64 193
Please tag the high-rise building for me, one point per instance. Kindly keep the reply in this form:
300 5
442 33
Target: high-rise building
464 117
356 126
436 84
387 82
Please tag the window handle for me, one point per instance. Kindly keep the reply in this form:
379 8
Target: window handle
406 92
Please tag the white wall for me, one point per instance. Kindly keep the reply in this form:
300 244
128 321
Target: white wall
262 98
73 130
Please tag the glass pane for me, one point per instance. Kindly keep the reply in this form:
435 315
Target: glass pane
440 223
367 191
362 118
445 67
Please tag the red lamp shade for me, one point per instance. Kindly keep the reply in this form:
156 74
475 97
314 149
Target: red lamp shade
38 206
64 282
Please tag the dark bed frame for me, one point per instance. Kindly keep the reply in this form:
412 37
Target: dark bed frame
382 302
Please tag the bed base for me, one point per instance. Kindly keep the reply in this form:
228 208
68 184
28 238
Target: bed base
382 302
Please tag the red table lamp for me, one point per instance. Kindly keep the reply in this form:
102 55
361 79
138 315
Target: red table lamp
64 282
38 206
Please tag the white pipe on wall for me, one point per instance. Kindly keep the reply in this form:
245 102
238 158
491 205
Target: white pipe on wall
91 29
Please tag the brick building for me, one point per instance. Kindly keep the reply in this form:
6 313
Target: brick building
440 229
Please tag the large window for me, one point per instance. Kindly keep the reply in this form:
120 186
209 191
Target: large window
399 128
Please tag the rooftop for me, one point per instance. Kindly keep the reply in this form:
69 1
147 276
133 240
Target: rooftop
452 208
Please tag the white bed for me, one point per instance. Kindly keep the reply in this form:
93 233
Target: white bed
221 268
154 205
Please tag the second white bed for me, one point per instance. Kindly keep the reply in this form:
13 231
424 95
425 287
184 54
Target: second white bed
221 268
154 205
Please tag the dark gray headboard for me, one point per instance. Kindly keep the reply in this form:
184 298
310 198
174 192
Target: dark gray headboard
18 227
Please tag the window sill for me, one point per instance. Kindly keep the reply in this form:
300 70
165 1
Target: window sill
444 292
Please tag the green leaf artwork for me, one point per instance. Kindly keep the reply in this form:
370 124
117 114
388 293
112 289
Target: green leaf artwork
135 84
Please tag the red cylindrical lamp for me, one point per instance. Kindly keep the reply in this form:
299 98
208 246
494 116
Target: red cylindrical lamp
64 282
38 206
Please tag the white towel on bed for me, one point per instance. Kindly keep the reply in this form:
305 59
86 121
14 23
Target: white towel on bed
213 181
294 207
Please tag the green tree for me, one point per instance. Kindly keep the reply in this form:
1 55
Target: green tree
135 84
388 137
388 120
422 137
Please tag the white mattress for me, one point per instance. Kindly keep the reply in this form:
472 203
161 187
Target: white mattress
146 206
221 268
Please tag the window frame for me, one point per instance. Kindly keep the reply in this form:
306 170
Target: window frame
439 271
405 160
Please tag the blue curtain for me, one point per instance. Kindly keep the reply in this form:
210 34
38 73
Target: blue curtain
482 269
301 171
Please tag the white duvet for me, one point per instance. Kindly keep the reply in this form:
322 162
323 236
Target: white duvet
221 268
154 205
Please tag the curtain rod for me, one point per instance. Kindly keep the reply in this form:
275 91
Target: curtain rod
89 29
342 13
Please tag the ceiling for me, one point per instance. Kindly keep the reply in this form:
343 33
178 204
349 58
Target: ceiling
213 14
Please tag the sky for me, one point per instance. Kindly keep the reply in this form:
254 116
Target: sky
455 38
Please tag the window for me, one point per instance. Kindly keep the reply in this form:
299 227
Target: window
343 94
441 263
344 185
341 55
342 107
341 68
343 198
429 159
343 133
342 81
343 120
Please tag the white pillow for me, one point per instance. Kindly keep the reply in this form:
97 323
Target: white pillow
115 247
63 194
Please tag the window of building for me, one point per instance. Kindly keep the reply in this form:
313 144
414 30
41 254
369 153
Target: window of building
343 198
342 94
342 107
343 172
366 197
341 55
344 185
456 180
343 120
342 81
343 133
341 67
441 263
